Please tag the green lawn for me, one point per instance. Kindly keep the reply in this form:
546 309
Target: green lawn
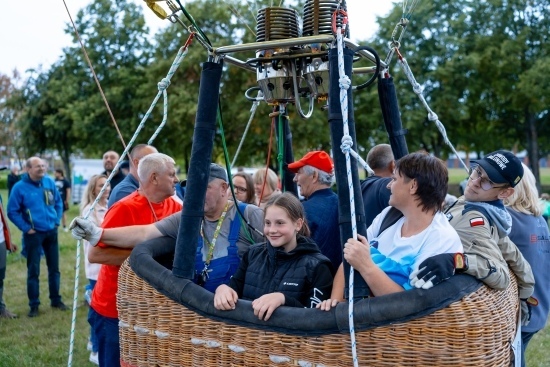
44 341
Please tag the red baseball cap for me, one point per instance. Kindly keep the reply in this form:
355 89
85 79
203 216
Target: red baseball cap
318 159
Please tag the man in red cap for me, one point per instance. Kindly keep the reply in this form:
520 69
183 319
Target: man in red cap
315 175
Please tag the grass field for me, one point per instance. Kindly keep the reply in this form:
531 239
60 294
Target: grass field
44 341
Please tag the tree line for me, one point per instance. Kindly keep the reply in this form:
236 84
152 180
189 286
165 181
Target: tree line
483 65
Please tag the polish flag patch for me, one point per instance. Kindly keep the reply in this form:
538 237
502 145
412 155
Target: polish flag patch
479 221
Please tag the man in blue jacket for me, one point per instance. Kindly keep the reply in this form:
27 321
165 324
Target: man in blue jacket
35 207
376 195
315 175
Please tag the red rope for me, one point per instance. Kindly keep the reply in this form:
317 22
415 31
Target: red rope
268 156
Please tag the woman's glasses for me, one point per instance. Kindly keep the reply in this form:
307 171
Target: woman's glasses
240 189
485 183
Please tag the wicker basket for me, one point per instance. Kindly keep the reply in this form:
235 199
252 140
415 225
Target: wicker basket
156 331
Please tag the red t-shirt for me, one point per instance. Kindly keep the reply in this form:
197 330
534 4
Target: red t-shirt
132 210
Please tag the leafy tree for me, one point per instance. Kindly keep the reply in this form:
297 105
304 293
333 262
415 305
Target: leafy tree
116 41
481 65
225 23
64 109
9 113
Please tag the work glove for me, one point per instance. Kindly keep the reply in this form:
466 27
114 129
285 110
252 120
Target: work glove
526 305
85 229
433 271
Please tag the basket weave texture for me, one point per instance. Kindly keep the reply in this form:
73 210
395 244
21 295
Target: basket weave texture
156 331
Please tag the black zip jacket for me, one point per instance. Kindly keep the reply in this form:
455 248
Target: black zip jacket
303 275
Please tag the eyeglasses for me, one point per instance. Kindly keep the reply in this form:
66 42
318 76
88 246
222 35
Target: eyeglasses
240 189
485 183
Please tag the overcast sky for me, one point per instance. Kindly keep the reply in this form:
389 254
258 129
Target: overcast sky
31 33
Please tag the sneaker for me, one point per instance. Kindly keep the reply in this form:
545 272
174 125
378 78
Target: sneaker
60 306
90 346
33 312
6 314
65 229
94 358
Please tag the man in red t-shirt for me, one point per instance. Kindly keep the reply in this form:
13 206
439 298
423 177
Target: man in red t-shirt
150 203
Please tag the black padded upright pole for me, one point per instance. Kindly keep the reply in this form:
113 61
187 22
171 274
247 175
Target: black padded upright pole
392 118
336 133
199 170
288 157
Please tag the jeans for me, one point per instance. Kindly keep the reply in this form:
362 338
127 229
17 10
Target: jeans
93 337
106 331
35 243
525 339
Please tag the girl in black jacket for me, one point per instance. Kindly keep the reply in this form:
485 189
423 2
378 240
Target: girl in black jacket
286 270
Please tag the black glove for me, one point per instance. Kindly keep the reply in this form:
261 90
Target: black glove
433 271
525 312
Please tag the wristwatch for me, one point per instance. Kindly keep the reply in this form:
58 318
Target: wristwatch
461 262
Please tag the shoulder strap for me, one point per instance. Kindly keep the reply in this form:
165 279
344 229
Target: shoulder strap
392 216
236 226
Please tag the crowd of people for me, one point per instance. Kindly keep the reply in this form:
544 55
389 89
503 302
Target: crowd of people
287 252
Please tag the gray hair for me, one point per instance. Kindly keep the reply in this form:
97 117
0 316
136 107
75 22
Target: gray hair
140 151
153 163
380 156
324 178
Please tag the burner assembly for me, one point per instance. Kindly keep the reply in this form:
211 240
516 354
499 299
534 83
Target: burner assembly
291 58
286 73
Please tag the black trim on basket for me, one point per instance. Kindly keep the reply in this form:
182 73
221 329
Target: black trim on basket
147 258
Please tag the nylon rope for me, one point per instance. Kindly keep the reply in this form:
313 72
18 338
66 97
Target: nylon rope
361 162
230 177
78 260
253 109
273 115
94 75
347 142
202 36
402 24
432 116
165 82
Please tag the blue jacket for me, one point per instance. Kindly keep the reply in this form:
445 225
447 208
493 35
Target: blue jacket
321 210
35 204
376 196
127 186
532 237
